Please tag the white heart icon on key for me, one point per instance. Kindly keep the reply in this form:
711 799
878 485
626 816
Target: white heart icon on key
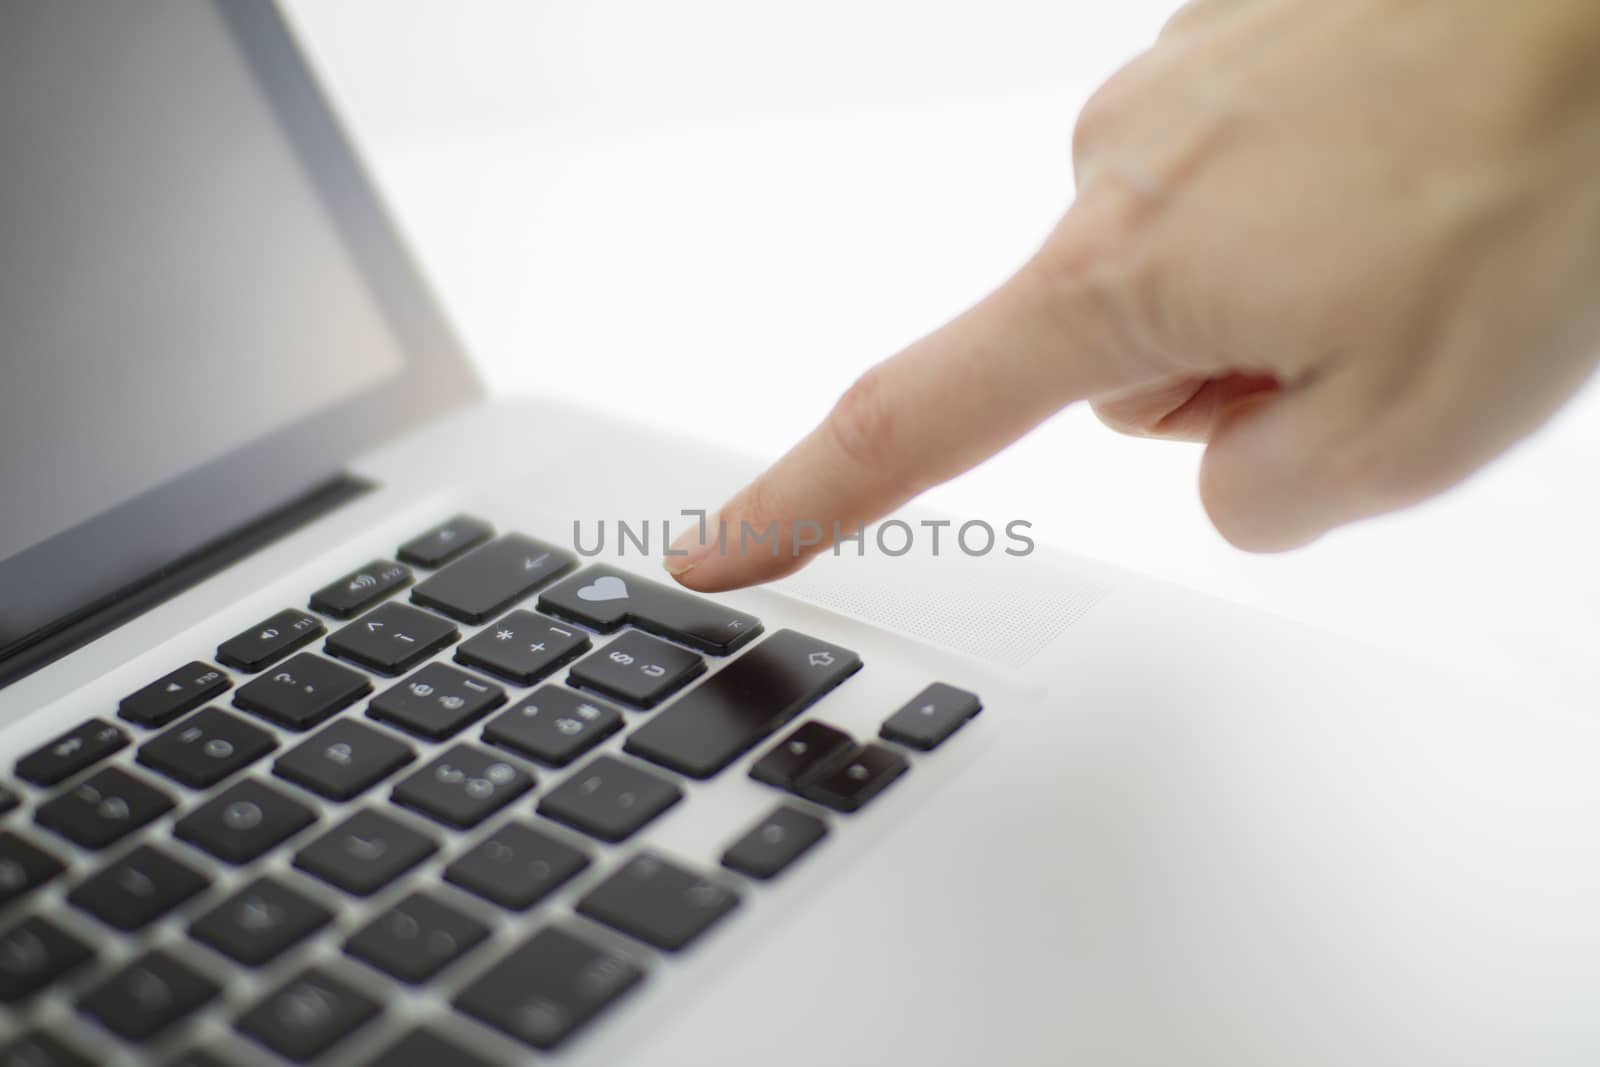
605 587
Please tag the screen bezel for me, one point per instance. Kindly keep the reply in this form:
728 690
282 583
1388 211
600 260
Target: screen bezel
57 583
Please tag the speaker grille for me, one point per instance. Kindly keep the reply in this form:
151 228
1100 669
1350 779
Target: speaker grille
1003 611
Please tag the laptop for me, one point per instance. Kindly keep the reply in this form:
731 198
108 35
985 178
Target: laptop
348 718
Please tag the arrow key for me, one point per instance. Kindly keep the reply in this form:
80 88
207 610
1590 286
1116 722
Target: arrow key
392 638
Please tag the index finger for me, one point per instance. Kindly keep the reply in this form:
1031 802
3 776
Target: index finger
934 410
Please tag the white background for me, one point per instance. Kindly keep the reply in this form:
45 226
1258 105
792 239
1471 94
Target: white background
713 214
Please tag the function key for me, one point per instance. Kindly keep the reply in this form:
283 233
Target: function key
343 760
77 749
302 692
173 694
523 647
516 866
360 589
554 725
365 853
446 541
103 809
491 578
463 787
424 1048
798 756
610 798
743 704
658 902
437 702
270 640
37 952
637 669
24 867
260 922
244 821
605 598
931 716
546 989
416 939
849 785
203 750
392 638
138 889
308 1015
148 996
775 842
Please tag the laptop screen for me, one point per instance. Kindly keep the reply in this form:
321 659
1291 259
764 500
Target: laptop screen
191 267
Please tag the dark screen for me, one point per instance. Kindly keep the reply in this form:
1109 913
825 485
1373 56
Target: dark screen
194 280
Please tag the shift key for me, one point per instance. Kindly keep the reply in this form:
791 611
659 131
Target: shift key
742 704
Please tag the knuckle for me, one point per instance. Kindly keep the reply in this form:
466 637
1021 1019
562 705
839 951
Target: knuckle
1115 418
861 424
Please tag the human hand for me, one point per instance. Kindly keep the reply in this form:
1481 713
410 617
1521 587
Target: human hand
1353 248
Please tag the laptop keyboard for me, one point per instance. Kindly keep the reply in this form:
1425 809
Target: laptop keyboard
470 788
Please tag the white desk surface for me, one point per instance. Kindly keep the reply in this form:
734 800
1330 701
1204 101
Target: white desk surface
654 208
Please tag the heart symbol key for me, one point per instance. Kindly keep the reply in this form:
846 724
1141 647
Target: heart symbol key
605 587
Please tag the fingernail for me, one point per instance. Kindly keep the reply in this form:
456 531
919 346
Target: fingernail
686 552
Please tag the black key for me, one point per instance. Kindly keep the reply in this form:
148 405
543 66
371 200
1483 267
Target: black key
813 745
199 1058
743 704
104 808
148 995
244 821
8 800
260 922
24 867
416 939
446 541
775 842
34 953
516 866
637 669
392 638
302 692
81 747
365 853
360 589
424 1048
604 598
270 640
205 749
344 759
308 1015
41 1050
490 579
849 785
658 902
554 725
173 694
437 701
931 716
464 786
610 798
138 889
523 647
549 987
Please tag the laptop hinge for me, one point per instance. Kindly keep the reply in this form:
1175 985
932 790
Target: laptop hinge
72 633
